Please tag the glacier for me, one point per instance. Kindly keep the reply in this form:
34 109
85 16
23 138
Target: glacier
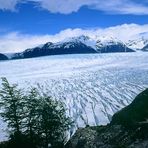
93 86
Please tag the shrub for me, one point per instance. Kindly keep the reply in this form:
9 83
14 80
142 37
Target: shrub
34 119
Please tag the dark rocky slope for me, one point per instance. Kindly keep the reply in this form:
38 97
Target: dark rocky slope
134 114
114 48
145 48
128 129
3 57
56 49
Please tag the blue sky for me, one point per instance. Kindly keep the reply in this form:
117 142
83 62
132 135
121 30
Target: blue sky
28 18
43 18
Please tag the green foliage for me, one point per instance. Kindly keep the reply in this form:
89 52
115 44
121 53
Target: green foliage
53 121
135 114
34 119
12 105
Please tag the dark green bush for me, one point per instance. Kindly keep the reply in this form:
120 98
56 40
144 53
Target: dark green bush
34 119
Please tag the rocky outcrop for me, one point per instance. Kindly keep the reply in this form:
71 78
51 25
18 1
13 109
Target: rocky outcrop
117 134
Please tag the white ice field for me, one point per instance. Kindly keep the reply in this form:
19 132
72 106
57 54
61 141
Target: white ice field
93 86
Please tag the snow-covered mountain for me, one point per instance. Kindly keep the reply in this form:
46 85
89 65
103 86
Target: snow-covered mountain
103 44
139 42
67 47
86 44
110 44
76 45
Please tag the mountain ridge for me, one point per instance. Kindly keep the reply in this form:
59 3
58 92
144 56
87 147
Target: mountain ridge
84 44
76 45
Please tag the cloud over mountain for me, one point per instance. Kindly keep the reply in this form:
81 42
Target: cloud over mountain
16 41
68 6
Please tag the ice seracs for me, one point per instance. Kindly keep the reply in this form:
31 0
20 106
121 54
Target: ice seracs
93 86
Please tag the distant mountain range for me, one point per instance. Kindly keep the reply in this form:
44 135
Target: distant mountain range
83 45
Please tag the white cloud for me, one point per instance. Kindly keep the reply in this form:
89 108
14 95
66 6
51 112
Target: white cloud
123 7
15 41
8 4
126 31
69 6
63 6
110 6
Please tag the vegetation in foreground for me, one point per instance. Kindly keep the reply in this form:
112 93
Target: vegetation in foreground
34 119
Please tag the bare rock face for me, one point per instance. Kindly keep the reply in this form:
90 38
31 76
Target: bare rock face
84 137
115 136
